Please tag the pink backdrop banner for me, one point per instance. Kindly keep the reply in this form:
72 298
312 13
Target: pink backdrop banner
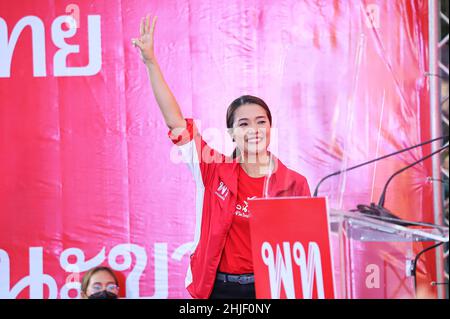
88 175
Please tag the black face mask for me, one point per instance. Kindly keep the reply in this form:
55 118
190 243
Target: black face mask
103 295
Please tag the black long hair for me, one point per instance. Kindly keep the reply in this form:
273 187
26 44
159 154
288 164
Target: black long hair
245 99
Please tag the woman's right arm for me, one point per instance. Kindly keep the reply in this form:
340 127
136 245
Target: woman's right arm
171 110
164 97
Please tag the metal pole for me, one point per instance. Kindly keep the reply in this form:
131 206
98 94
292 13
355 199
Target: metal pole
435 126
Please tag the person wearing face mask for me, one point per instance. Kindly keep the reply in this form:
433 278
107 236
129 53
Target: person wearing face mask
221 261
99 283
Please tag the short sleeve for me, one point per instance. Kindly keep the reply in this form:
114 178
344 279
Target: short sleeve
186 135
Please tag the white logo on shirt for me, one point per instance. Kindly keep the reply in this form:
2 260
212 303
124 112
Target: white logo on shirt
222 191
242 210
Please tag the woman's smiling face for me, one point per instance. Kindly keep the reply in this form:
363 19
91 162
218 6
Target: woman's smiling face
251 129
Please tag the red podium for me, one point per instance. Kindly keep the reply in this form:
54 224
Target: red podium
291 248
303 249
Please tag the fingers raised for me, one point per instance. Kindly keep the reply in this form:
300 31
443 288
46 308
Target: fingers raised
147 24
152 29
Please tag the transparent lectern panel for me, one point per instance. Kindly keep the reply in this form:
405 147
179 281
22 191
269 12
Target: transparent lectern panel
373 258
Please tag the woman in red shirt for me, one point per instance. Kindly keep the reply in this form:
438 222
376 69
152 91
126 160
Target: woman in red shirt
221 260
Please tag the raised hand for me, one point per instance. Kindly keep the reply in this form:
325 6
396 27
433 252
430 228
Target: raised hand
145 41
164 97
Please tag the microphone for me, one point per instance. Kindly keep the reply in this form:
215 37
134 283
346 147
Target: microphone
379 211
383 193
316 191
